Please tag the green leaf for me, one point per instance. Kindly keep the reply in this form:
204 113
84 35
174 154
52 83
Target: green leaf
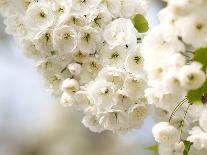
140 23
187 147
195 96
200 55
153 148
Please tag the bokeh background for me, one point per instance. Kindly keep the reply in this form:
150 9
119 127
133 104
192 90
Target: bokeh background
33 123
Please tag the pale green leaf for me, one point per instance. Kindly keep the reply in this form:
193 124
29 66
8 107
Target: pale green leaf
187 147
140 23
153 148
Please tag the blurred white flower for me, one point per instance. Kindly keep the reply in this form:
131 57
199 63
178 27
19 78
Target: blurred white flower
191 76
165 133
16 25
92 123
70 86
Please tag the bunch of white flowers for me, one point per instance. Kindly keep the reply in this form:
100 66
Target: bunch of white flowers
176 77
95 59
89 52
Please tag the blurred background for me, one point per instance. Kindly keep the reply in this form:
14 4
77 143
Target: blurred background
32 123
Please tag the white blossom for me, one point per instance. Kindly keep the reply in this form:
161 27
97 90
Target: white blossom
40 16
120 32
165 133
70 86
191 76
65 39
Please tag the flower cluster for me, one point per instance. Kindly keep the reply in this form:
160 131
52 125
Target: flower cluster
168 51
89 53
95 60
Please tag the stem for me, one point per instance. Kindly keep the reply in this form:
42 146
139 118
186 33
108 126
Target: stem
177 108
183 121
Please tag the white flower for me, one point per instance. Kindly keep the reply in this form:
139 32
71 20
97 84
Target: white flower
123 102
175 149
16 25
135 86
65 39
89 70
163 98
177 60
113 120
130 8
40 16
172 82
70 86
198 137
89 40
195 33
83 102
134 62
101 93
120 32
114 56
100 17
158 47
80 56
44 41
165 133
191 76
203 119
74 68
181 7
24 4
75 20
67 100
92 123
113 75
114 6
62 9
30 49
85 6
137 113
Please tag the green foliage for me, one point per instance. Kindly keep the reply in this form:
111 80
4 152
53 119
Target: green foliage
187 147
195 96
153 148
200 55
140 23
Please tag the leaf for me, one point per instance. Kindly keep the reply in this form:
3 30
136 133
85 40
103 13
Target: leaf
196 96
140 23
187 147
200 55
153 148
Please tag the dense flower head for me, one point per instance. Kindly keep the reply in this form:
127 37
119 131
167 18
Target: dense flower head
94 59
87 51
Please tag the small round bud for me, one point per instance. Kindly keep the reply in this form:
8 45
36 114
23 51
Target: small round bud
70 86
75 68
